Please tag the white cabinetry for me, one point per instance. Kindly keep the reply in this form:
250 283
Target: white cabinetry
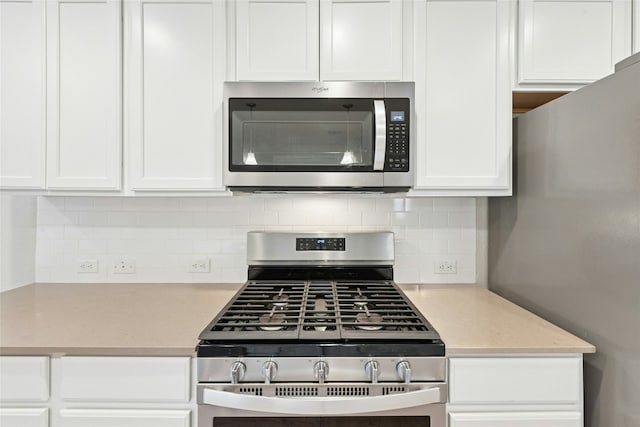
293 40
516 391
277 39
22 94
361 40
24 417
174 64
84 132
463 97
563 44
24 381
124 418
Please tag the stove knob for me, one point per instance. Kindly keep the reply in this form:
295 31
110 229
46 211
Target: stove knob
321 371
269 370
237 372
371 368
404 371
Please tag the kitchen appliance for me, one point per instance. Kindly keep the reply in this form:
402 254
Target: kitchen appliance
319 136
321 330
567 245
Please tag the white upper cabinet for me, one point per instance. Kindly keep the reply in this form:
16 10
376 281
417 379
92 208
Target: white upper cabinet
22 94
309 40
361 39
84 103
564 44
174 67
277 39
463 97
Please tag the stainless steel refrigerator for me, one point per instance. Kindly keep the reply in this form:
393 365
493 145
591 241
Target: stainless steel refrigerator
567 244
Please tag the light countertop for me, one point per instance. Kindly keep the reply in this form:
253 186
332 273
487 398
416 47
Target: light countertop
166 319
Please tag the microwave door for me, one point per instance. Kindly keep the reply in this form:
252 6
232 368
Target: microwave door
380 139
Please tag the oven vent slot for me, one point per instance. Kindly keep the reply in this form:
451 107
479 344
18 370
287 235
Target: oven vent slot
296 391
348 391
256 391
393 390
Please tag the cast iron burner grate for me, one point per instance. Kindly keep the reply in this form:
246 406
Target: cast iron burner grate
319 310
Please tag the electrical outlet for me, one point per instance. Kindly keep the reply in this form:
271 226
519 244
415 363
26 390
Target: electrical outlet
124 266
87 266
445 266
200 265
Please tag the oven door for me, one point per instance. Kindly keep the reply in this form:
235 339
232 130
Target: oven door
348 404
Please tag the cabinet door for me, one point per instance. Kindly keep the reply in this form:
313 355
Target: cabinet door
22 94
463 96
24 417
277 39
174 63
24 379
124 418
515 419
361 39
571 42
84 103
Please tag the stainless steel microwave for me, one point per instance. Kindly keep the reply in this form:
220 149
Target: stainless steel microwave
319 136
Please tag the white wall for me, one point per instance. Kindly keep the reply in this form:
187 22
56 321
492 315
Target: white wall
17 240
165 235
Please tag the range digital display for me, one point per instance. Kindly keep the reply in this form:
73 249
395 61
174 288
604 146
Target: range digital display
320 244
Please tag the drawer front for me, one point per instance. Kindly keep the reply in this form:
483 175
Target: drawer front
124 418
515 419
125 379
24 417
24 379
515 380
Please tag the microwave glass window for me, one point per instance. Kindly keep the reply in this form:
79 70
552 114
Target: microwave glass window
280 139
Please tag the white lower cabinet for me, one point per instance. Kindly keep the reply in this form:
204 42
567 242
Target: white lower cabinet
24 379
24 417
125 379
124 418
516 391
515 419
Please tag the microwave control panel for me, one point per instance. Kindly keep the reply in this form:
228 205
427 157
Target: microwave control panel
397 155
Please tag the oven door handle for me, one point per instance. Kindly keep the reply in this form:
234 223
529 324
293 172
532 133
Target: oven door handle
380 142
321 405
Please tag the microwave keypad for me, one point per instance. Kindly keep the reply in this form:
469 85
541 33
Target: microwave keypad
397 147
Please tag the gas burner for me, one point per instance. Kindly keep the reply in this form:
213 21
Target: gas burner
281 299
272 321
360 301
368 321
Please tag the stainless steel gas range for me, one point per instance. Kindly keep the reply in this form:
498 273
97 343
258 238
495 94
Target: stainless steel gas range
320 331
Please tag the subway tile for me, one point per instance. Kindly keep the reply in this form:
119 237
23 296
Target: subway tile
278 204
92 246
372 218
323 218
362 205
434 246
60 245
107 203
291 218
390 205
93 218
54 217
450 204
462 246
417 233
179 246
263 218
122 218
206 246
405 218
320 205
422 204
165 219
434 219
462 219
48 232
52 203
79 204
78 232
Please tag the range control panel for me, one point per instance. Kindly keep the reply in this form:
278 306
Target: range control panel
397 155
320 244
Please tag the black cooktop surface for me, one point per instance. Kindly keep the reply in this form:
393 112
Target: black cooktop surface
324 317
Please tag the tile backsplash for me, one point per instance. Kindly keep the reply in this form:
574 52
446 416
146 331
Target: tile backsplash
164 236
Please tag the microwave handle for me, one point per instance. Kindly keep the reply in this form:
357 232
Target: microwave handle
380 139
